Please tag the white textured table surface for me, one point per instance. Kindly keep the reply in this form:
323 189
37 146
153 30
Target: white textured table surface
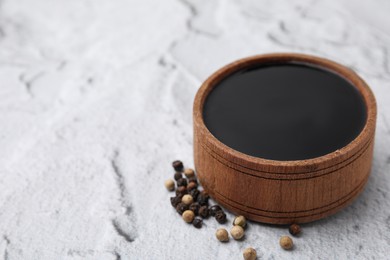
95 103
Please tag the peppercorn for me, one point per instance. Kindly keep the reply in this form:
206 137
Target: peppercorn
189 173
197 222
169 184
181 207
195 207
175 201
237 232
203 199
220 216
205 194
239 221
194 193
187 199
286 242
191 186
181 191
203 212
214 209
181 182
294 229
177 165
188 216
177 176
250 254
192 179
222 235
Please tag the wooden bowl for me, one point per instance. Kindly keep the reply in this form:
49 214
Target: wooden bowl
283 192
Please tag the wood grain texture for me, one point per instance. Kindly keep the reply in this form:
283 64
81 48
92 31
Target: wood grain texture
282 192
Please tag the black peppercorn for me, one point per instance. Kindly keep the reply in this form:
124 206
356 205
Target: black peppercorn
202 200
214 209
204 212
177 165
191 186
294 229
195 207
192 179
205 194
220 216
175 200
177 176
181 207
181 191
197 222
194 193
181 182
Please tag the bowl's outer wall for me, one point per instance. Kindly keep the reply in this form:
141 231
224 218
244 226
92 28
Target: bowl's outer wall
280 192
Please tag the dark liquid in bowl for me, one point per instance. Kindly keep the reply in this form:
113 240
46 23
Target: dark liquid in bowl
285 111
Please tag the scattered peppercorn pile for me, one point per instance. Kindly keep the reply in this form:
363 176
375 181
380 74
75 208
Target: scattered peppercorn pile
190 202
193 206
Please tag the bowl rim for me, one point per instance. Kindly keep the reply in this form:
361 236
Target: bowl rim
275 166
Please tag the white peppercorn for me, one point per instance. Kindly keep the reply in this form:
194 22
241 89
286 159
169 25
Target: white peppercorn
286 242
188 216
187 199
169 184
222 235
189 173
250 253
237 232
239 221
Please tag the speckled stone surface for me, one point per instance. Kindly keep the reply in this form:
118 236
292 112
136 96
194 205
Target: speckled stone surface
96 100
